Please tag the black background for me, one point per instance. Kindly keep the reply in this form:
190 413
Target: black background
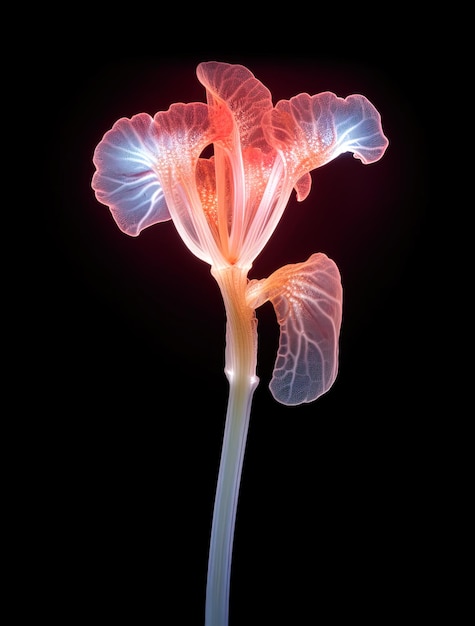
335 510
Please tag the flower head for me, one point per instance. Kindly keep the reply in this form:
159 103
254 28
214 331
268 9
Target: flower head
227 206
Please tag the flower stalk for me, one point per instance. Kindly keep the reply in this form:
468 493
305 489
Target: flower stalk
240 369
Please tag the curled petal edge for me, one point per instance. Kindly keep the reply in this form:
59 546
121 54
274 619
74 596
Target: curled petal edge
310 131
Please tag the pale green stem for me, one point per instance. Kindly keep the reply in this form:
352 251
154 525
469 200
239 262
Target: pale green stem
240 368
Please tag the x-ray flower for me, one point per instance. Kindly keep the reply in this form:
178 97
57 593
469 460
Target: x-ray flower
225 208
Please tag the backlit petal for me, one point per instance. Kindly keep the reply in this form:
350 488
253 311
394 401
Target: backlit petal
244 160
125 179
246 97
182 133
302 187
310 131
206 186
307 299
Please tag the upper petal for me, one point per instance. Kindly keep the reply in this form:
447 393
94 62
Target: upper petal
125 179
310 131
243 161
146 170
245 96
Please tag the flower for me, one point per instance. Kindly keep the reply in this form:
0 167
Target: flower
227 206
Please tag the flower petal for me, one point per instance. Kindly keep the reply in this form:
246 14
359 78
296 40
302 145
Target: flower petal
246 97
310 131
244 160
125 179
307 299
182 133
302 187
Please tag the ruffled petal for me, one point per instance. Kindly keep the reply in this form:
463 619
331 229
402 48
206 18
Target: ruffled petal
310 131
245 96
307 299
125 179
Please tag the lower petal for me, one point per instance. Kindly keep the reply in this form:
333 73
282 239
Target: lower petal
307 298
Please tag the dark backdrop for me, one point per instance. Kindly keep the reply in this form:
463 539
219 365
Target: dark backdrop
332 517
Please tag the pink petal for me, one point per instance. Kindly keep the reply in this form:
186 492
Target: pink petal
302 187
246 97
312 130
307 299
182 133
125 179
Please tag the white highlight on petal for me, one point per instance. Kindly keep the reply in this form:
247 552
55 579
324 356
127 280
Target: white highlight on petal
126 180
307 298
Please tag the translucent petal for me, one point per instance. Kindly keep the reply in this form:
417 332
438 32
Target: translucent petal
183 132
310 131
243 160
358 128
245 96
125 179
302 187
307 299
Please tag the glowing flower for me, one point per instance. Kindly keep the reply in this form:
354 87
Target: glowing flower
225 208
